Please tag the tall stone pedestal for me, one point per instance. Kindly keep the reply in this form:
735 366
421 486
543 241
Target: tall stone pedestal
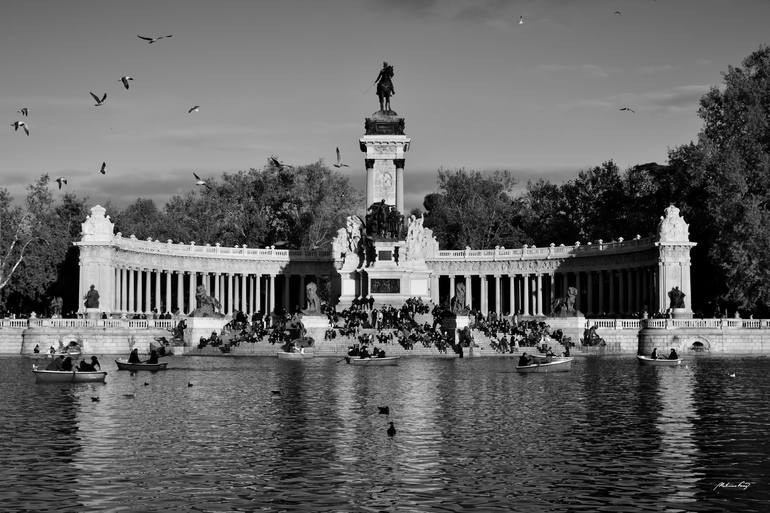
93 313
392 283
198 327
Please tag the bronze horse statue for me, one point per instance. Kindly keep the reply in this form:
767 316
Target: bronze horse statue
385 87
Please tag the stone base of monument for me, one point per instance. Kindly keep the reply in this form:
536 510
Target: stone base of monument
93 313
198 327
681 313
455 323
316 326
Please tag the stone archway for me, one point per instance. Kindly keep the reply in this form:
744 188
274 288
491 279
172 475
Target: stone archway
698 345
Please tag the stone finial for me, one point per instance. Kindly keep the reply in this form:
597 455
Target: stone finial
672 227
97 226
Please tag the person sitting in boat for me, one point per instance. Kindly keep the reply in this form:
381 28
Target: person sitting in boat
153 357
95 363
52 351
66 365
86 367
37 349
524 360
353 350
381 353
672 355
364 353
134 356
55 364
654 354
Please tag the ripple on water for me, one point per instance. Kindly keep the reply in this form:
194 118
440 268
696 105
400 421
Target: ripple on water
608 436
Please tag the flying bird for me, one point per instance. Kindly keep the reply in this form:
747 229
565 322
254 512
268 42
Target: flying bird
277 163
103 169
200 181
628 109
384 410
61 181
20 124
339 160
151 40
125 80
189 384
521 20
618 13
732 375
391 430
193 109
24 111
97 100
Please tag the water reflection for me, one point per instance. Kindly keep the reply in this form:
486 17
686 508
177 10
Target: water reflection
472 434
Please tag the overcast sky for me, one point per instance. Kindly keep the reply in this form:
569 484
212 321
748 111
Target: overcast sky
291 78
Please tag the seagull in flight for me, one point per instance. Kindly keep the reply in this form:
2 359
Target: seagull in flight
151 40
195 108
125 80
24 111
200 181
61 181
277 163
20 124
339 160
618 13
103 169
628 109
97 100
521 20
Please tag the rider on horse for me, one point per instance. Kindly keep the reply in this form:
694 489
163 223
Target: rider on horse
385 86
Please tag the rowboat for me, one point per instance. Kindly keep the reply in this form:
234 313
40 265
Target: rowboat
152 367
294 355
51 376
387 360
659 362
557 364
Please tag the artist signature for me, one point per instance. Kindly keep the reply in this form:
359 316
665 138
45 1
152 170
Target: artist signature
740 485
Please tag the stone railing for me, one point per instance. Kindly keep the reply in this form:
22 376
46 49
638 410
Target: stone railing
179 249
89 323
552 251
637 324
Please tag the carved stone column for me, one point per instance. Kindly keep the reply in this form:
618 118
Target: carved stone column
258 293
498 295
191 292
124 289
131 291
139 291
157 273
451 288
551 291
434 285
180 291
230 294
399 163
512 294
147 291
468 291
217 290
539 295
525 295
271 294
168 291
244 297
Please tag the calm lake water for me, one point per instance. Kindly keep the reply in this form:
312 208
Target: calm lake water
471 435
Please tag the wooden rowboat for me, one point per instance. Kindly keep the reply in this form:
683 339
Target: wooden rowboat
557 364
51 376
294 355
388 360
659 362
152 367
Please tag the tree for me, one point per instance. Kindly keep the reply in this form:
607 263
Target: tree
731 166
474 210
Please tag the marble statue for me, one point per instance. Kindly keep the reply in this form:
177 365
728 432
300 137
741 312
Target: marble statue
676 298
420 242
207 305
672 227
311 295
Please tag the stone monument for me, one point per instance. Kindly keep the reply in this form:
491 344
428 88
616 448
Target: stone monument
91 303
674 265
205 319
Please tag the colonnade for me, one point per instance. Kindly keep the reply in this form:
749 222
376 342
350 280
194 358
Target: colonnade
621 291
143 290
